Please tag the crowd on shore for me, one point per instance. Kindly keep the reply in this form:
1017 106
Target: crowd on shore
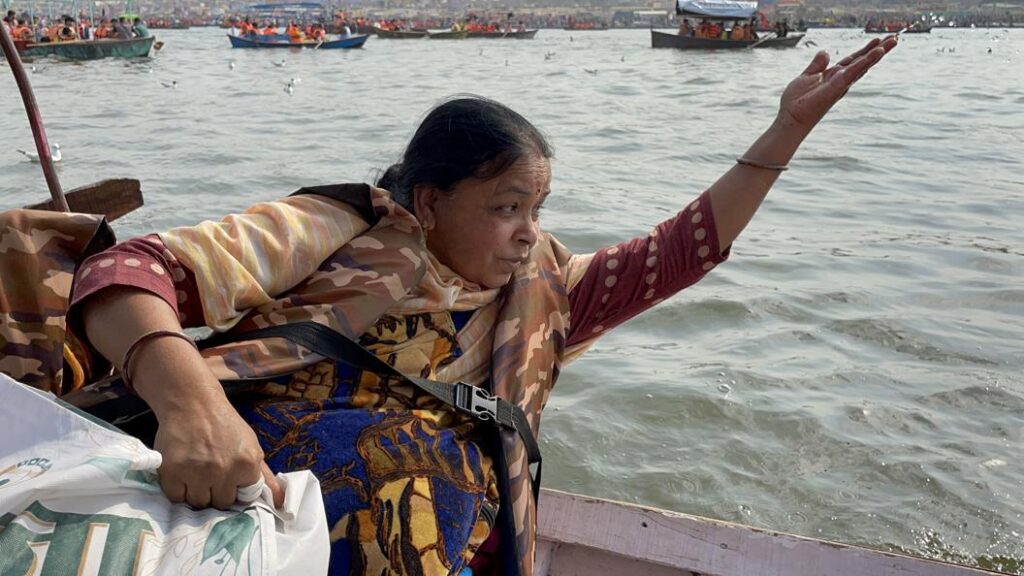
40 29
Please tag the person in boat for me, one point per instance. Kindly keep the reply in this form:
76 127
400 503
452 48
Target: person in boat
294 33
269 30
121 30
441 271
781 28
103 30
68 31
23 32
685 29
139 29
737 32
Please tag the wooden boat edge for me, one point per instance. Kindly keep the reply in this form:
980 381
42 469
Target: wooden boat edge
585 535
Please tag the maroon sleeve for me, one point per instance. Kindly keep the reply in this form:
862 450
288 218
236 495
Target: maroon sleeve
141 263
624 280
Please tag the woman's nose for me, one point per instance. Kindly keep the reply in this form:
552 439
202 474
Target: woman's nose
528 232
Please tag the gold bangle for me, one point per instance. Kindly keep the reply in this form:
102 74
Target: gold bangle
126 363
748 162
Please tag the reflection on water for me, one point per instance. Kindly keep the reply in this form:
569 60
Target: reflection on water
853 373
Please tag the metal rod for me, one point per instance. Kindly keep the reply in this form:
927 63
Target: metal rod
34 119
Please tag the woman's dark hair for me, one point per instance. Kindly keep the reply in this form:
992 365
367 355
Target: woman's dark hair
467 136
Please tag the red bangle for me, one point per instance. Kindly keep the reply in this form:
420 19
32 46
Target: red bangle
126 363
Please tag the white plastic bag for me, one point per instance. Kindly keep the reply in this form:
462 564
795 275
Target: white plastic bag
79 497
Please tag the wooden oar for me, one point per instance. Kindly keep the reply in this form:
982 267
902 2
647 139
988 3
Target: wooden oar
34 119
769 36
112 198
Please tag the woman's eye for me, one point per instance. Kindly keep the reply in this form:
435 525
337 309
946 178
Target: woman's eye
536 212
508 209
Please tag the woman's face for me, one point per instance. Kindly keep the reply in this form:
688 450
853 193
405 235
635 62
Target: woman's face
484 229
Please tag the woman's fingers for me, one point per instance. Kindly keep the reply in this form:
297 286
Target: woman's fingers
867 48
275 486
198 496
818 63
855 71
224 496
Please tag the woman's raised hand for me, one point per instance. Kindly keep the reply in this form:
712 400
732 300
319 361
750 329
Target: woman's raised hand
807 99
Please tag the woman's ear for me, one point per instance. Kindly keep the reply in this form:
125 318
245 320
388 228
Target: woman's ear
425 198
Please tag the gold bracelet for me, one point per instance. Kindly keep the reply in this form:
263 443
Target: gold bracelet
748 162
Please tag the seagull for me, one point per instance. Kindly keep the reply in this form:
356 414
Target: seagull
231 65
295 81
810 43
590 70
623 59
171 84
289 87
34 157
279 64
37 70
548 55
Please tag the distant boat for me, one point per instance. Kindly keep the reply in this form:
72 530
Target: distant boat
448 35
724 11
912 29
87 49
399 34
673 40
276 41
586 535
511 34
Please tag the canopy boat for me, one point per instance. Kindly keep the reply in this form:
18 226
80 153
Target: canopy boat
399 34
517 34
720 10
584 535
282 41
87 49
448 35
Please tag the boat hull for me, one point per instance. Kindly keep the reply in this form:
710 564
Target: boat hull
516 35
670 40
88 49
448 35
275 42
579 535
400 34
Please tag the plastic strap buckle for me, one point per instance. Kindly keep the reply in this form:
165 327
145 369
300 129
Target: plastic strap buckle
476 401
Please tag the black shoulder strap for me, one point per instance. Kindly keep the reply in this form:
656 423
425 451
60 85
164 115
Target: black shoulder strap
466 398
355 195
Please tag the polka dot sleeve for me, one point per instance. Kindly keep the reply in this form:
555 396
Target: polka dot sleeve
624 280
141 263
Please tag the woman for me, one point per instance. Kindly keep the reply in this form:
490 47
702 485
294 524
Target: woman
441 271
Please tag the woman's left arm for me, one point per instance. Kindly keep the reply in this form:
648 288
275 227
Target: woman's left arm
805 101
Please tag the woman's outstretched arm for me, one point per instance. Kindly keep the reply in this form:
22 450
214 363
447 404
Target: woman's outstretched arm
739 192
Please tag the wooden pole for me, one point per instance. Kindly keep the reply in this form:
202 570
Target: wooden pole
34 119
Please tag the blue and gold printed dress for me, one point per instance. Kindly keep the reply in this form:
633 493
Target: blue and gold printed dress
407 487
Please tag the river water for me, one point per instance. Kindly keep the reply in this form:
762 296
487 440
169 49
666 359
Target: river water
853 373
